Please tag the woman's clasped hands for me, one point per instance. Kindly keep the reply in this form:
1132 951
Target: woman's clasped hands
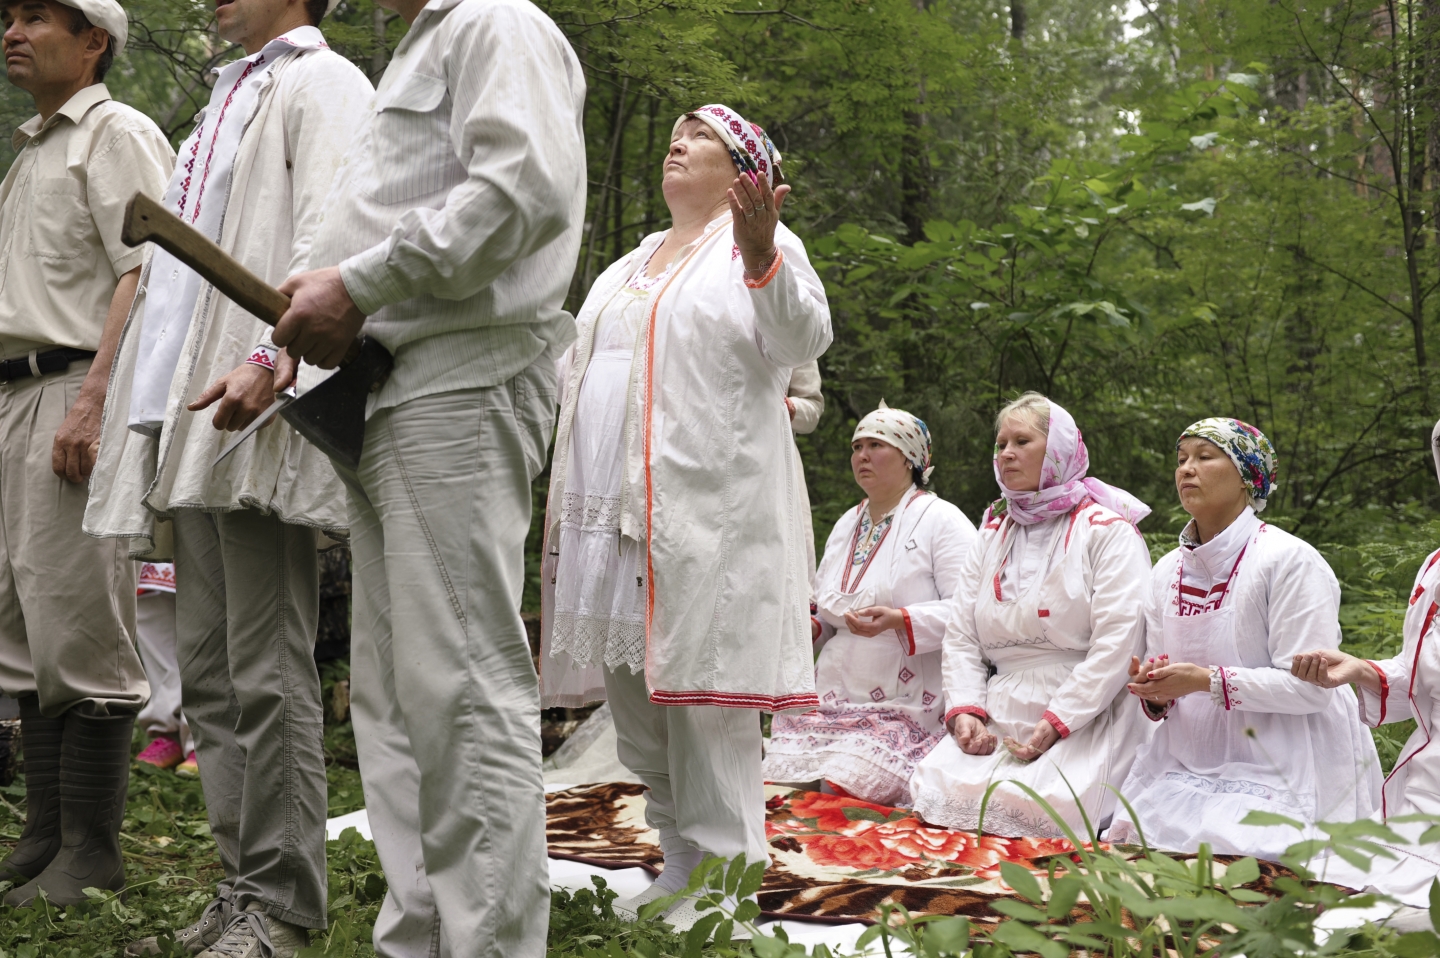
1159 680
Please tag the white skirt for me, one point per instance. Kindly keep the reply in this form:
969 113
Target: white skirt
949 786
599 586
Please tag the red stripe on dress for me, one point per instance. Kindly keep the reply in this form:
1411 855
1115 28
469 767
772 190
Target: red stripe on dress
1224 688
736 700
764 281
215 135
1054 720
909 629
1410 694
974 710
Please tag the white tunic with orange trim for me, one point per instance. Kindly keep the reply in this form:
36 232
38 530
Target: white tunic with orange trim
708 490
1243 605
881 701
1409 689
1056 608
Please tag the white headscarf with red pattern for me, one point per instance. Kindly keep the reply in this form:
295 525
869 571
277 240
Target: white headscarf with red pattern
749 147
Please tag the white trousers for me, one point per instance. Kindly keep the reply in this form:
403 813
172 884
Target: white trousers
155 635
443 691
701 766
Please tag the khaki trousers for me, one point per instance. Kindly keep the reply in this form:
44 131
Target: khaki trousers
443 691
67 601
247 597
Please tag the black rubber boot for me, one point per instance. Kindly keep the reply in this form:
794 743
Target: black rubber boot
40 841
94 777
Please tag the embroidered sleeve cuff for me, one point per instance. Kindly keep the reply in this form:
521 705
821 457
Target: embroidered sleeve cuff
1054 720
816 629
1383 694
909 636
371 282
974 710
1222 688
1155 712
263 355
764 281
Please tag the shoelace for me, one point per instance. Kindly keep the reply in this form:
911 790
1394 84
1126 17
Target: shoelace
245 927
220 910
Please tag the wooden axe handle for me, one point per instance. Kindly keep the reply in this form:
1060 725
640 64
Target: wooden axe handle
146 221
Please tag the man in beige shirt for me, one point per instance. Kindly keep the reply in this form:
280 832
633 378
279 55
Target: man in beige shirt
67 601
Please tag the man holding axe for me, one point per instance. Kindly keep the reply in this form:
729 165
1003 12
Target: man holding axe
251 178
450 236
67 602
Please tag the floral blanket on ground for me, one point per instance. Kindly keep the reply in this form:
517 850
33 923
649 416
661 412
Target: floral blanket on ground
833 858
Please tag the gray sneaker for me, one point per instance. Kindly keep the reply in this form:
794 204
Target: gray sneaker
254 934
194 938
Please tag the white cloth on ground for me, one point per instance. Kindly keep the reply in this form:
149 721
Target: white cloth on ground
1060 638
199 193
155 640
1409 689
701 768
1254 596
881 698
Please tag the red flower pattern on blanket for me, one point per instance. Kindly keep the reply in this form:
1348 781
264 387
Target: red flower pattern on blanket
848 833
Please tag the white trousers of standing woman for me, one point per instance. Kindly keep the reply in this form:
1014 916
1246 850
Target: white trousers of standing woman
443 691
701 765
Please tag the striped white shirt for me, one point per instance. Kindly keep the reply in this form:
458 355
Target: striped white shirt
455 217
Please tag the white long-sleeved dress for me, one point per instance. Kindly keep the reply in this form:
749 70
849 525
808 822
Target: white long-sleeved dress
1056 608
1243 604
881 705
1409 684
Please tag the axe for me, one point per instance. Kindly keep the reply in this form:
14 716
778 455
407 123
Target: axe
332 415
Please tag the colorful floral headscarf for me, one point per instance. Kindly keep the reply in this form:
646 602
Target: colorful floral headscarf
1063 483
1247 447
902 430
749 147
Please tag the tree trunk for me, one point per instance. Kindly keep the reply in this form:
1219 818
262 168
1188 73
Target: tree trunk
1018 18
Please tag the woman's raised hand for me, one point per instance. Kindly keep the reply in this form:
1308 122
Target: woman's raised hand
755 208
874 620
1331 668
971 736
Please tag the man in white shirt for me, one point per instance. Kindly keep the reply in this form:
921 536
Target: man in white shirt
251 176
454 225
67 602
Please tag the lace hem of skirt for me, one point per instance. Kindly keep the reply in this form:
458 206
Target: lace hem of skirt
866 780
590 513
596 640
938 808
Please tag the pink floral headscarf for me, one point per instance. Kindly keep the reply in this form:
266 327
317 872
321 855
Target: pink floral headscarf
1063 483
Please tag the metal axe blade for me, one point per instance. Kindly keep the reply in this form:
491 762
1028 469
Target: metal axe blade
332 415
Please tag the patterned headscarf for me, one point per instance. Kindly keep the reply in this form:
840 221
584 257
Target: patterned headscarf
1247 447
1063 483
902 430
749 147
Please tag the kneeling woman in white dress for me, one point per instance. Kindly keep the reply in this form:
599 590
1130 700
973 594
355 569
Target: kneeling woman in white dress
1052 599
1227 612
1393 690
882 595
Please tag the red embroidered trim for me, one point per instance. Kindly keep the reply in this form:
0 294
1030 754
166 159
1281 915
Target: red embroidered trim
1410 694
1043 613
1080 507
737 700
1224 687
1054 720
818 631
974 710
1384 690
215 135
764 281
1415 596
909 629
261 357
845 585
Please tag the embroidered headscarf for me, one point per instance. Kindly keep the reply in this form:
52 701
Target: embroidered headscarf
1247 447
904 431
749 147
1063 483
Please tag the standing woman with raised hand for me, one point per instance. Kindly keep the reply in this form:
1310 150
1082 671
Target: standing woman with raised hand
675 580
1227 612
1051 600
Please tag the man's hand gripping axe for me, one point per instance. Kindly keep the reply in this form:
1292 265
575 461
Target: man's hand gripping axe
332 415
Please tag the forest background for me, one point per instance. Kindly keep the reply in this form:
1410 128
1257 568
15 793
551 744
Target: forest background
1152 211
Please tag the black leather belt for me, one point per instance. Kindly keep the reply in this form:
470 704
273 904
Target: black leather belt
42 364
